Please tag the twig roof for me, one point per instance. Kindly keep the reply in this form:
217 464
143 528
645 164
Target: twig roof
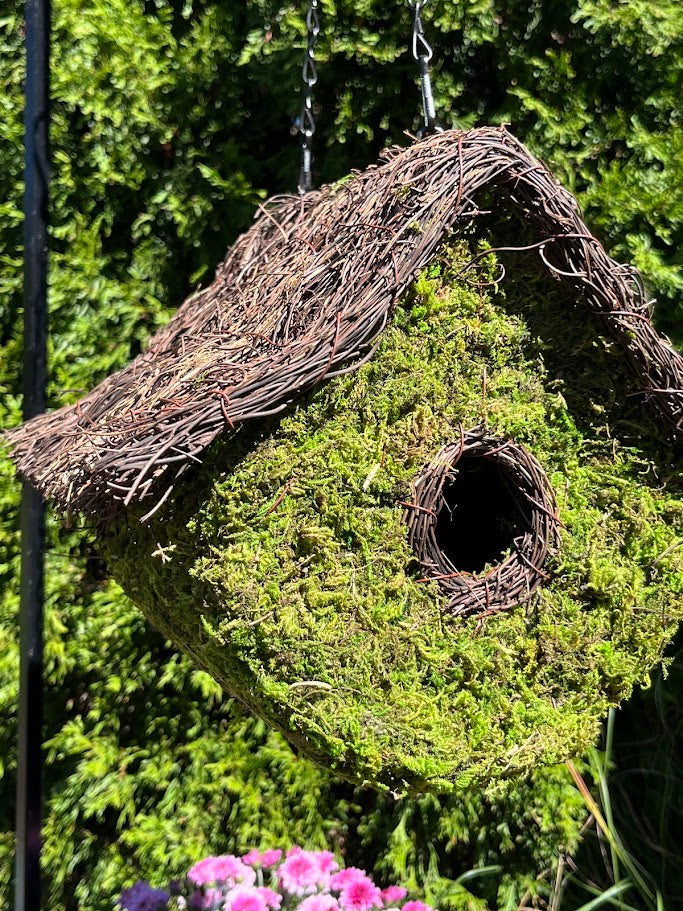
304 295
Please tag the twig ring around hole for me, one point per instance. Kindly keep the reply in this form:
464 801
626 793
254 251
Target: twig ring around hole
482 521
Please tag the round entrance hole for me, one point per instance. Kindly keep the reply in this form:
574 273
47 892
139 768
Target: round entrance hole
481 522
480 516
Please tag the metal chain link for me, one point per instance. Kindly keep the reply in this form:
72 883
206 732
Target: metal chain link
423 53
306 122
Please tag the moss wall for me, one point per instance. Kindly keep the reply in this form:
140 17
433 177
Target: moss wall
283 566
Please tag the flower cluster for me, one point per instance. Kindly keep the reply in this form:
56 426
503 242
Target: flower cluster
268 881
142 897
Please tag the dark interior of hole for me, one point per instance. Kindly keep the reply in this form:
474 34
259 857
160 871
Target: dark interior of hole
480 516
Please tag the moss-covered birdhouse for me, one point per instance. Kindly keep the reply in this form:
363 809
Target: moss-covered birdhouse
426 524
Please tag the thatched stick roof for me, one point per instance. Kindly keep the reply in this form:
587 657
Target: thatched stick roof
304 295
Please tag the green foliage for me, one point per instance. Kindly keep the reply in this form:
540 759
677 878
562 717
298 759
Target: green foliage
641 784
169 121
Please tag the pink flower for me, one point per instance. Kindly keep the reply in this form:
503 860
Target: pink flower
322 902
245 898
305 871
393 894
272 899
361 894
416 906
226 870
268 859
345 877
326 862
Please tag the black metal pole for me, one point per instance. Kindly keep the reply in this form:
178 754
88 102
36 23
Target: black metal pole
36 176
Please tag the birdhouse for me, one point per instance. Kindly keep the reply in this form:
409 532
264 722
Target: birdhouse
428 532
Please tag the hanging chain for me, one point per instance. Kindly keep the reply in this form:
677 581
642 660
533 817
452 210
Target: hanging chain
422 53
306 123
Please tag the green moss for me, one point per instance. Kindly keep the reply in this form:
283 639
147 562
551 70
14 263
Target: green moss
283 567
